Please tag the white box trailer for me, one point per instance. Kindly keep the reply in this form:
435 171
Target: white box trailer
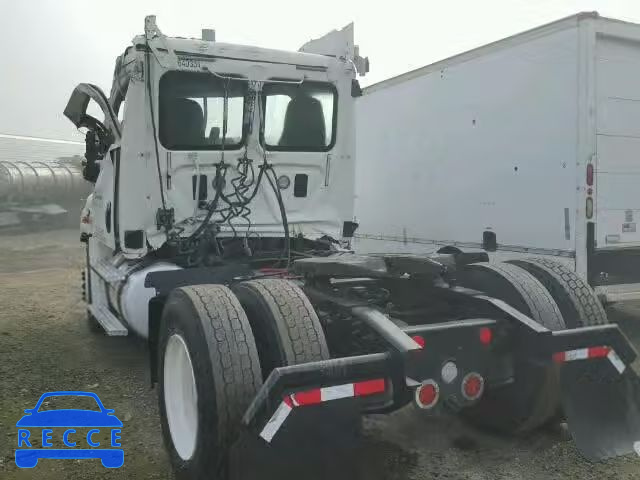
526 146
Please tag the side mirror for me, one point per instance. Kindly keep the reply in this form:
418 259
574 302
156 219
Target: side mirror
93 153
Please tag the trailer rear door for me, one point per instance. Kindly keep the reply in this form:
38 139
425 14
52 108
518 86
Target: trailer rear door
617 206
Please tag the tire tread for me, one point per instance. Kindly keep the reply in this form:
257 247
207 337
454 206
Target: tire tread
296 318
234 365
589 310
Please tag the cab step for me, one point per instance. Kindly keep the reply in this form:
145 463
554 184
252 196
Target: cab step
107 271
111 325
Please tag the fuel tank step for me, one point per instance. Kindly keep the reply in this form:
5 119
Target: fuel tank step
112 326
108 272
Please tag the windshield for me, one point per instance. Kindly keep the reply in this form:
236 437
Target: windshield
299 117
192 111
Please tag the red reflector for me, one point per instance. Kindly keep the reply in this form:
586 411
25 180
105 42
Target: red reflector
419 340
427 394
472 386
370 387
485 335
590 174
310 397
559 357
598 352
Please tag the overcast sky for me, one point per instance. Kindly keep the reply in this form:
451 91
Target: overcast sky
48 46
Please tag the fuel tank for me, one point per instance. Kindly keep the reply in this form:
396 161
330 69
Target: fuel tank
130 298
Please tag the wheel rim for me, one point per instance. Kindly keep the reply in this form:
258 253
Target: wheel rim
180 396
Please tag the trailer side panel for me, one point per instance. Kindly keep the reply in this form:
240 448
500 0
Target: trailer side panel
488 144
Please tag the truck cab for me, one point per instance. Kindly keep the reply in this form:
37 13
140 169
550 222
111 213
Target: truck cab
195 114
207 152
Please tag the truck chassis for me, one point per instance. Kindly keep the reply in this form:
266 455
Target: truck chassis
393 330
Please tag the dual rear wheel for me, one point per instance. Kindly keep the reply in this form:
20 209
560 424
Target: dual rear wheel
555 297
216 346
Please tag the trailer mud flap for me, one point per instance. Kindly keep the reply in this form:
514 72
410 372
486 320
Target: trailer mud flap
601 400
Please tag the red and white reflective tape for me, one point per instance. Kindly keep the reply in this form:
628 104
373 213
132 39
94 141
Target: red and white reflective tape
590 353
316 396
277 419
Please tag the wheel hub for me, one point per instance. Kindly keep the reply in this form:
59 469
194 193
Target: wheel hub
180 396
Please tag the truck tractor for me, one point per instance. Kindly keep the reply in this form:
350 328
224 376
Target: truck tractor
219 230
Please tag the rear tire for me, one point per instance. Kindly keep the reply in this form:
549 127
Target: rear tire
533 398
286 327
288 332
209 373
577 301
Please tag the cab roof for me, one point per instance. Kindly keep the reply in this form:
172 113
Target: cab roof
196 48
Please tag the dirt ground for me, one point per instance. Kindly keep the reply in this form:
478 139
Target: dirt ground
45 345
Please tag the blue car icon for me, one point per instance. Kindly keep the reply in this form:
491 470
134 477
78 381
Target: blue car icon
69 418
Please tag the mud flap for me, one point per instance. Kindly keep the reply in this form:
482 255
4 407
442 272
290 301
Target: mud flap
602 406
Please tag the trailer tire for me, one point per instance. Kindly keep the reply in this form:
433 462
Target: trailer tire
285 325
577 301
204 335
533 398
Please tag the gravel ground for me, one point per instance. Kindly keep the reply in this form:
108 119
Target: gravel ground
46 345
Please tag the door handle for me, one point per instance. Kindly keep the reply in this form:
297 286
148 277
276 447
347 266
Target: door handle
107 217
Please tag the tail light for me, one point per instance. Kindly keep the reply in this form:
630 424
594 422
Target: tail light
427 394
486 335
419 340
472 386
590 174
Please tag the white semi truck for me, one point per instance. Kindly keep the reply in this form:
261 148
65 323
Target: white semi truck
526 146
218 230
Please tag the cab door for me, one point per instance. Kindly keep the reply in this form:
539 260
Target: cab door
101 157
